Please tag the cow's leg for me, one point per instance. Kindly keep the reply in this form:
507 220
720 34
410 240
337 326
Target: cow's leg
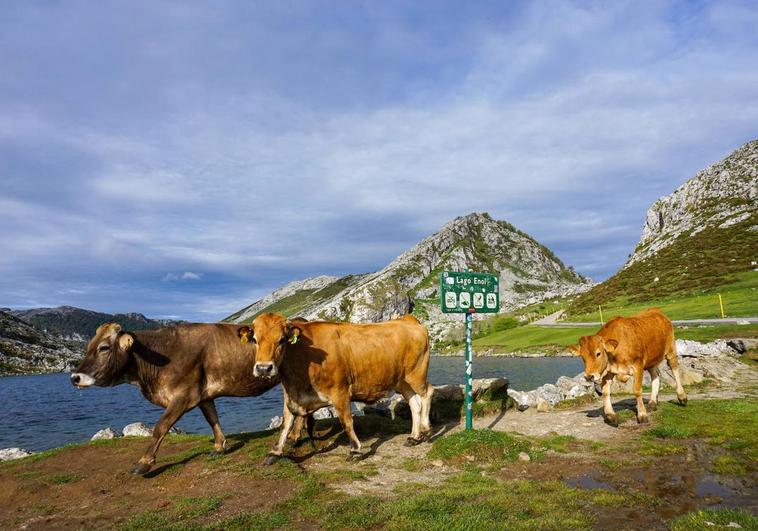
209 412
176 408
639 371
610 415
287 423
342 406
415 403
426 407
655 384
673 363
297 429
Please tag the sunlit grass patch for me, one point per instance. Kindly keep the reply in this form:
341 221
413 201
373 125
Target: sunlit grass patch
484 446
714 519
728 464
180 515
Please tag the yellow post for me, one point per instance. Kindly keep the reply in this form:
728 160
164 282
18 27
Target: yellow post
601 314
721 304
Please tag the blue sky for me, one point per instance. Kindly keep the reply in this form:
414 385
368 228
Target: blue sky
184 158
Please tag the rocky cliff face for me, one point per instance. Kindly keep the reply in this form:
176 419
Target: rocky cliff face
721 195
24 349
698 238
529 272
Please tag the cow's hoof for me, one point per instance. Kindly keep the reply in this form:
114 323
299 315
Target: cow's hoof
652 406
355 456
410 441
270 460
643 419
682 399
612 420
140 469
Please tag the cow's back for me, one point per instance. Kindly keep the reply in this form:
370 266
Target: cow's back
648 334
209 355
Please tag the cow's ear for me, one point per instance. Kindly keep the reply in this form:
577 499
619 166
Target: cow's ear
610 345
244 333
125 341
575 350
293 333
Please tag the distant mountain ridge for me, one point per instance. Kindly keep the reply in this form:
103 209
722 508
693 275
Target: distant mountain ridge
76 324
698 237
528 271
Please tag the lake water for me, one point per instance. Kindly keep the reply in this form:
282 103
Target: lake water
46 411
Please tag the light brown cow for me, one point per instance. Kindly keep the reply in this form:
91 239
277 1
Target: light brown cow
628 346
322 363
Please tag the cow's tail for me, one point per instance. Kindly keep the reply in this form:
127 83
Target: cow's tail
671 355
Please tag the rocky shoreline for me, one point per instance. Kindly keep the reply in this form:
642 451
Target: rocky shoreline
717 361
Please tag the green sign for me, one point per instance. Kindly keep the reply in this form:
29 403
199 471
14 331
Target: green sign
469 292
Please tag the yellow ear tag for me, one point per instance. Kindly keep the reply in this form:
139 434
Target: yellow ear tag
293 339
243 337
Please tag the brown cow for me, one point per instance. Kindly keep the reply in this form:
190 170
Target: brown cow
627 346
177 368
322 363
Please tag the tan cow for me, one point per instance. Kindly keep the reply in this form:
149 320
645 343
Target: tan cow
628 346
324 363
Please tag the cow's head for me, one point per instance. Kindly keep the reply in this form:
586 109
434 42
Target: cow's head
271 333
106 358
597 353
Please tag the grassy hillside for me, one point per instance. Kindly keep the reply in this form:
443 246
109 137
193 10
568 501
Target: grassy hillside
740 299
537 339
691 265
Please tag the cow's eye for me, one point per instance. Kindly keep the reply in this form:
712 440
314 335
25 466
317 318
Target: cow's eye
597 354
103 348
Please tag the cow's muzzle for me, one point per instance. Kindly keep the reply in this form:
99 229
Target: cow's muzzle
267 370
80 379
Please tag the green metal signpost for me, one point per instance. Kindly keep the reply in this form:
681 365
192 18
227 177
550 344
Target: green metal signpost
469 293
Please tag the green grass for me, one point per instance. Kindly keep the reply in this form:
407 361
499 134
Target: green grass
557 443
553 339
530 337
485 446
740 299
727 424
179 515
714 519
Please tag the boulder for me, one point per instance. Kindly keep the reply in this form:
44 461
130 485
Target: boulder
543 406
137 429
523 400
276 422
550 393
9 454
447 392
387 407
480 386
327 412
105 433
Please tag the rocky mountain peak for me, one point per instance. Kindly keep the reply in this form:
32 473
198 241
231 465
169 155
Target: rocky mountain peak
725 193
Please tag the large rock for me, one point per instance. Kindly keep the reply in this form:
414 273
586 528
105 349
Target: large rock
523 399
137 429
482 386
447 392
276 422
9 454
550 393
105 433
